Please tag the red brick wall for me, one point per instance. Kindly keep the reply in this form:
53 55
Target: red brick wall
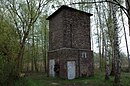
69 36
71 29
84 66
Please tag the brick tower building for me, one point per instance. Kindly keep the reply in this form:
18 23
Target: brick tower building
70 54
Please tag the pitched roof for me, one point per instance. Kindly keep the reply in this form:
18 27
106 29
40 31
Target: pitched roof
66 7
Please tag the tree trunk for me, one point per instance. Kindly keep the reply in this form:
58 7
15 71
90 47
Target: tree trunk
19 59
109 36
128 11
28 61
106 61
45 48
103 48
32 65
113 63
99 37
36 56
116 47
35 64
113 60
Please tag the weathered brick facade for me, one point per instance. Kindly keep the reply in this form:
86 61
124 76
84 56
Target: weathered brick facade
69 40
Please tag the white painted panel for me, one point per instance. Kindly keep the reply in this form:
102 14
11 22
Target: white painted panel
71 69
84 55
51 67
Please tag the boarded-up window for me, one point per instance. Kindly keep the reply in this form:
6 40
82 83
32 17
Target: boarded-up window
83 55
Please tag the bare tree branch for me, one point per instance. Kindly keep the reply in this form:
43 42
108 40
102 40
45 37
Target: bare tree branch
106 1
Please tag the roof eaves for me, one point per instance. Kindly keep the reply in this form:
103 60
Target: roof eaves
65 6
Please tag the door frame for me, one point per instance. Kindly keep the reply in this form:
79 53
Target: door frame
53 75
67 68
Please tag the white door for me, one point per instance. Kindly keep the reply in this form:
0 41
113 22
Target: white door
51 67
71 69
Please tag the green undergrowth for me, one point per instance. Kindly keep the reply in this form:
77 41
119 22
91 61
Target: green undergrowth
39 79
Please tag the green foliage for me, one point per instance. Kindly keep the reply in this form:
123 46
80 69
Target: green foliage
97 80
8 52
7 71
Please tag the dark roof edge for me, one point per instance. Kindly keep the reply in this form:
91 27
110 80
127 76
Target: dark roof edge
65 6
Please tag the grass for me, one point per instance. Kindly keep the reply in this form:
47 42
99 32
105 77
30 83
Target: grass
38 79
